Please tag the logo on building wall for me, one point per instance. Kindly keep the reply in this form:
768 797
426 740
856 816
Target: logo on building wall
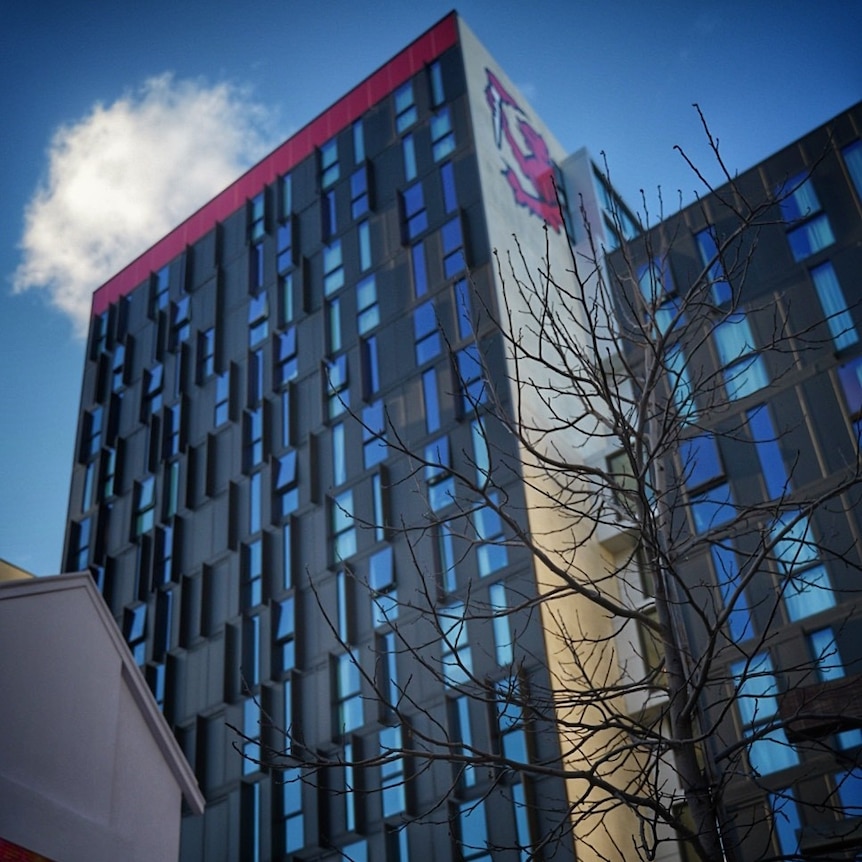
532 183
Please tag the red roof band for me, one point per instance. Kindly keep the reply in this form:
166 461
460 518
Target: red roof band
348 108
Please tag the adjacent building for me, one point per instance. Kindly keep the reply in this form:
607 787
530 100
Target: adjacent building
281 483
760 334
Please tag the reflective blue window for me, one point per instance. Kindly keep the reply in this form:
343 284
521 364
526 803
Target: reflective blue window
744 369
768 452
853 160
471 378
426 332
431 398
834 306
732 594
810 237
333 268
453 248
712 508
442 136
441 483
415 215
708 248
373 434
420 275
405 107
408 149
447 177
329 163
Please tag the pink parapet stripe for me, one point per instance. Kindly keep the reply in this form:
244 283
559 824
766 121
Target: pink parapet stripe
348 108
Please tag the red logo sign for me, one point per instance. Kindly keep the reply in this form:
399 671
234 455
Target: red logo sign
533 183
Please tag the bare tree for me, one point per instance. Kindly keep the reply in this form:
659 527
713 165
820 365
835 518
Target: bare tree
658 591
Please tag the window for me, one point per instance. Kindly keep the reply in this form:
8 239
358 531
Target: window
460 732
446 555
258 314
333 325
853 159
288 300
397 845
118 368
435 76
287 485
287 363
848 785
284 249
392 773
339 454
251 715
481 453
453 248
181 317
732 594
718 284
285 196
432 400
360 201
253 428
161 284
257 218
135 631
387 673
810 237
92 437
786 822
824 652
328 215
252 574
441 483
806 590
293 822
358 142
447 178
342 526
680 383
757 704
88 495
367 308
145 505
415 214
206 354
349 698
491 553
456 661
710 500
463 310
333 268
109 473
471 378
426 332
255 376
442 136
744 368
473 832
380 506
251 651
285 633
408 150
850 378
834 306
511 725
370 360
255 266
163 567
153 379
420 274
381 582
502 631
768 452
329 163
374 448
172 489
164 623
222 399
800 204
363 232
81 551
655 282
338 394
405 107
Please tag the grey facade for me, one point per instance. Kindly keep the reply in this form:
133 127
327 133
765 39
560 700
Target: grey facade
244 495
769 393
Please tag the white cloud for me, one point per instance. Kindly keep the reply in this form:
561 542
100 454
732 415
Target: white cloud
124 175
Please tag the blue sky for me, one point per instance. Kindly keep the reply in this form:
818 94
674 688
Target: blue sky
138 87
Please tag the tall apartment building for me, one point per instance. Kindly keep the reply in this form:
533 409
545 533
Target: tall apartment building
244 493
767 379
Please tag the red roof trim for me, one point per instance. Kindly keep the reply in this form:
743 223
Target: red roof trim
348 108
